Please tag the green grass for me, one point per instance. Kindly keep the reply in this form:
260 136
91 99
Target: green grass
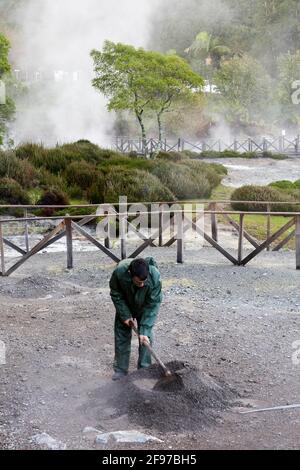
222 193
256 225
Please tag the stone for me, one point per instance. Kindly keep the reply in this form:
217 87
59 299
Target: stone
125 437
45 440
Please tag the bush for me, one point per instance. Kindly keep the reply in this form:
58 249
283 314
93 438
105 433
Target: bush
47 180
11 193
20 170
209 154
75 192
96 193
274 156
81 174
137 185
32 152
170 156
191 154
213 173
262 193
182 181
52 197
230 154
283 184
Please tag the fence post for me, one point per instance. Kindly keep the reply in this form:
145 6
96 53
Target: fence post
160 226
180 235
214 222
268 224
265 146
107 238
281 143
297 144
26 230
241 239
2 251
123 232
298 242
68 224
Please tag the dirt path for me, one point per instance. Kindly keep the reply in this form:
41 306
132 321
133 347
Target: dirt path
236 324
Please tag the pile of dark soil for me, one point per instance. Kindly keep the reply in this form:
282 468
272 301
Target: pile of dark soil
190 401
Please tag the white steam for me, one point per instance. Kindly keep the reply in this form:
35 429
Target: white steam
56 40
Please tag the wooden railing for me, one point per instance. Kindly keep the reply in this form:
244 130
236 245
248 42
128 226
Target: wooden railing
66 225
289 146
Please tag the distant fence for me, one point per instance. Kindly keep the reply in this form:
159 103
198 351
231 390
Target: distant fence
277 145
66 225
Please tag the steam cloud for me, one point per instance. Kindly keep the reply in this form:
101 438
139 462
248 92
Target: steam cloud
55 40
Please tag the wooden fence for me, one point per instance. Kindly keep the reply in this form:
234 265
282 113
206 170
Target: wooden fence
66 225
284 145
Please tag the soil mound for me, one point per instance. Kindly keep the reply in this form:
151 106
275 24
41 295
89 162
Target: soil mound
190 401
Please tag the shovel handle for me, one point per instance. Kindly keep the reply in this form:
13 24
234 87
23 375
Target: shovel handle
164 368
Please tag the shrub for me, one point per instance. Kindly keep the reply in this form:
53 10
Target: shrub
170 156
297 184
75 192
261 193
47 180
274 156
137 185
249 155
283 184
52 197
20 170
191 154
230 154
96 193
11 193
212 173
81 174
182 181
32 152
209 154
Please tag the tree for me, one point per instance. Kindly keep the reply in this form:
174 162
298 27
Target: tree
205 54
288 84
142 81
245 90
7 107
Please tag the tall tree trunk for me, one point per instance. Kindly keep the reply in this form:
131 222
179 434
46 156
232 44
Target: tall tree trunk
144 137
159 127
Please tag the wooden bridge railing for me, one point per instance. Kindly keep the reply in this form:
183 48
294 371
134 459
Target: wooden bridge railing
279 144
67 224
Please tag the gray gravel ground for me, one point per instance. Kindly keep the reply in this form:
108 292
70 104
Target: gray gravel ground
236 324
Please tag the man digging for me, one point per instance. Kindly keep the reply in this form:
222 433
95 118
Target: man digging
136 291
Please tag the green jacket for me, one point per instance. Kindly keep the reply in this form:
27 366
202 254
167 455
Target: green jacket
136 302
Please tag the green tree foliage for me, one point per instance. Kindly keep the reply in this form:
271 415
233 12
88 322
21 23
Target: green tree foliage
7 108
206 52
245 88
289 83
142 81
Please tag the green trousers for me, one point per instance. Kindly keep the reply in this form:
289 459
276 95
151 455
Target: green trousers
123 336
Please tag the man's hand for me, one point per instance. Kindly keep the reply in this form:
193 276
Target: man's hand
144 339
129 322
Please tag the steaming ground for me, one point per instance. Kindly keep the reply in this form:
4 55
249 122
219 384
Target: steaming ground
258 171
234 327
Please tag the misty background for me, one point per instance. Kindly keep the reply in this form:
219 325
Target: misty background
253 39
51 44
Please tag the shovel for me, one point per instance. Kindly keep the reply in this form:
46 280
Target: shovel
169 377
